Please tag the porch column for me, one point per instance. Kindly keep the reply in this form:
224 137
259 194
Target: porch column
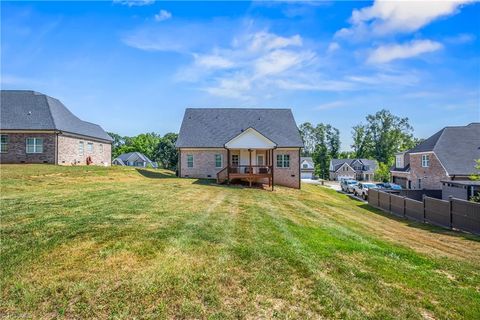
250 171
228 166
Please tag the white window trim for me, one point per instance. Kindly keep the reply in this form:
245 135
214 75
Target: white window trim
221 160
35 145
282 161
4 144
425 160
238 159
81 151
193 160
93 147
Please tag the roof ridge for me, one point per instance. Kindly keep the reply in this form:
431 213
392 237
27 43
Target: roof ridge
236 108
50 110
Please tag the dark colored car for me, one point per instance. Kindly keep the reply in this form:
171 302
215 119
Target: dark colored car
389 186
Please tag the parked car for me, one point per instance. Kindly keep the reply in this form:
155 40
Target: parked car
361 189
388 186
347 185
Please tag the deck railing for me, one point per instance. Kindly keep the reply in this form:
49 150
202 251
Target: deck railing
222 175
250 169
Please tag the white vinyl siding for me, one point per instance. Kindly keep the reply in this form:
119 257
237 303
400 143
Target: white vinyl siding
34 145
425 160
4 143
283 161
190 160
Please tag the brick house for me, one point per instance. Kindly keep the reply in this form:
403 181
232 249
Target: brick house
36 128
359 169
228 144
448 155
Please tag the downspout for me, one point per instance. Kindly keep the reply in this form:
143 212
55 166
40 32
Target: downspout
299 178
179 163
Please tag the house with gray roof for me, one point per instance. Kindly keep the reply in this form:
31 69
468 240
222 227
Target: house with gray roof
233 144
307 168
448 155
134 159
36 128
358 169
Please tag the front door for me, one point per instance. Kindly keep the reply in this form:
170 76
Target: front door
260 160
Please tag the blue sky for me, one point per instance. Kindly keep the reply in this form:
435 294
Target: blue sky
134 66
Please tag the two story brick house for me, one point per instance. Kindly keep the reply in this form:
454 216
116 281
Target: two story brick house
228 144
448 155
36 128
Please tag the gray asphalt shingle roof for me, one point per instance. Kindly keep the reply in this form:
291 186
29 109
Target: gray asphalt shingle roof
372 164
455 147
213 127
30 110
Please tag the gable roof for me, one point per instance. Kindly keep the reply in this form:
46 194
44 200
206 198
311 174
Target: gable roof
455 147
30 110
124 158
309 160
337 163
213 127
130 156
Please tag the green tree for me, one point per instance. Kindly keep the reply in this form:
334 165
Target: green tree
382 173
382 136
166 153
321 158
307 132
322 143
476 177
333 141
347 155
118 142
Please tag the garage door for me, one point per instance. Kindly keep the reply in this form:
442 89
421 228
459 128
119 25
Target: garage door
306 175
344 177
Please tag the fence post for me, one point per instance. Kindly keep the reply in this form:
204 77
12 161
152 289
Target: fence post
404 207
424 213
450 200
390 203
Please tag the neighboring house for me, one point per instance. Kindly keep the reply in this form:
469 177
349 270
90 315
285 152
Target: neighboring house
358 169
254 145
448 155
36 128
307 167
134 159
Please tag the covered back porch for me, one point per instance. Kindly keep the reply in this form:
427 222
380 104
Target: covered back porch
249 158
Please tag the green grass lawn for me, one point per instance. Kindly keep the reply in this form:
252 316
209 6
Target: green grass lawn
87 242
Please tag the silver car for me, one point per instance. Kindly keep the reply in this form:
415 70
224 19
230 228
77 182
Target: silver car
361 189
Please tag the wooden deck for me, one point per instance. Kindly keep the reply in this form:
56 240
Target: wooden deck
248 173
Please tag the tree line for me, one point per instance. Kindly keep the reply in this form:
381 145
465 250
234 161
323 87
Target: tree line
381 136
153 145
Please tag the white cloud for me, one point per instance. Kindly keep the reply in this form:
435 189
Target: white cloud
163 15
134 3
461 38
388 17
387 53
267 41
330 105
279 61
212 61
333 46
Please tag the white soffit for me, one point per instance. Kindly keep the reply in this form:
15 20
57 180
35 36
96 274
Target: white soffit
250 139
